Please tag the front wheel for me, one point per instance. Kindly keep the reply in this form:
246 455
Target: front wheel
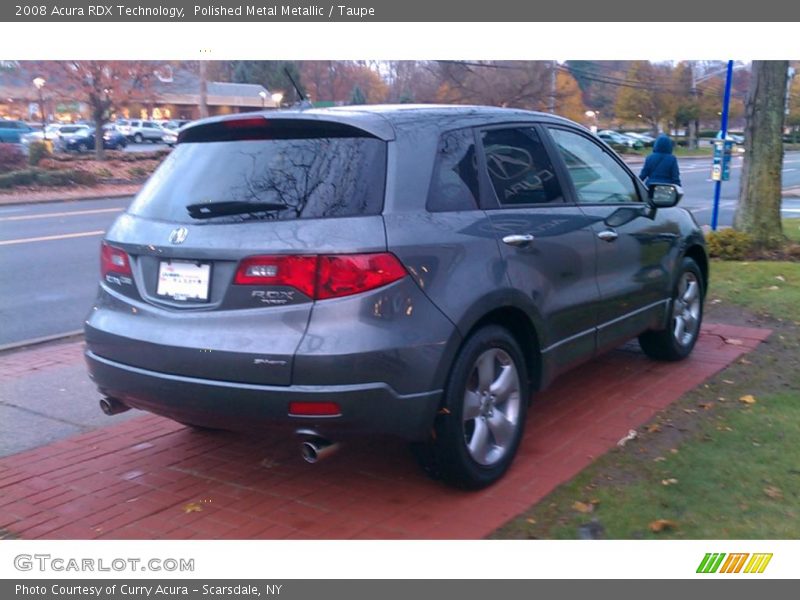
678 339
480 426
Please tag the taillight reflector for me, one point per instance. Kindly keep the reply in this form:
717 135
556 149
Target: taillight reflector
113 260
322 277
314 409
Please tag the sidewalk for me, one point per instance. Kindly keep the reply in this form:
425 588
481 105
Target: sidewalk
151 478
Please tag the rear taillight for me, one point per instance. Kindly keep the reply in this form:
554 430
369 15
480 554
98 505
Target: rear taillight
322 277
298 272
113 260
314 409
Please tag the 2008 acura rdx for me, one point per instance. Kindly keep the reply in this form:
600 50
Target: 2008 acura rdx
410 270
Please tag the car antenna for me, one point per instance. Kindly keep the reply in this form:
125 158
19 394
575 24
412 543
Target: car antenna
304 102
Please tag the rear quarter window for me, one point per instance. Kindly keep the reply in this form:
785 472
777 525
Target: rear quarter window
454 185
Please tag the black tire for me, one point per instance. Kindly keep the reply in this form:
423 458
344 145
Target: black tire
676 342
456 453
82 148
138 138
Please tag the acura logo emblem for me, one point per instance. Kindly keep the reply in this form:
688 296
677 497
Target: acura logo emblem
178 235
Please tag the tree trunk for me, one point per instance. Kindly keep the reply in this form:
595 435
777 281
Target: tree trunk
203 90
759 210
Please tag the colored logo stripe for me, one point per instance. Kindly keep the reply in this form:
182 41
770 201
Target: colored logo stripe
713 562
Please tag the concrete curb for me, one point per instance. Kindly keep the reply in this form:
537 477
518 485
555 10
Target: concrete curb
12 200
40 340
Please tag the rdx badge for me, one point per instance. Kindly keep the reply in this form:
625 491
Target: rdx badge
273 297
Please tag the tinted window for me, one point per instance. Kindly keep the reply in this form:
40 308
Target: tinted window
148 124
455 177
519 168
597 177
293 178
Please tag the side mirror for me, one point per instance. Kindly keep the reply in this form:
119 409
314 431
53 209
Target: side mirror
664 195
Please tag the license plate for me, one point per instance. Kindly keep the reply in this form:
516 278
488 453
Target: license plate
183 280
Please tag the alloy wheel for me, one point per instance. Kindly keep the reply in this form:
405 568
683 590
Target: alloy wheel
686 309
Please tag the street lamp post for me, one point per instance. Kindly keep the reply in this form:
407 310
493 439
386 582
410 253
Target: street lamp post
39 83
263 96
277 98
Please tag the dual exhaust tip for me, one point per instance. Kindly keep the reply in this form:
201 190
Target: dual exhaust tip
313 448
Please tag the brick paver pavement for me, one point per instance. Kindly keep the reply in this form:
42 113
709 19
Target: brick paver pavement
152 478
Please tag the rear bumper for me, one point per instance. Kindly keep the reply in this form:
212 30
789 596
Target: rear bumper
366 408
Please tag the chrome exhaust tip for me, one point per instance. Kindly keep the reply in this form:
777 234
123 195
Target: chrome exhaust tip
315 447
112 406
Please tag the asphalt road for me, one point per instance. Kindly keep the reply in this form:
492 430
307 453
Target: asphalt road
49 253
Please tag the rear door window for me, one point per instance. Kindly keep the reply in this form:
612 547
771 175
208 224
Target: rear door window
519 168
267 179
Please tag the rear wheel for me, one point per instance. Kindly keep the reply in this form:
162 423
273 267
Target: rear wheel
138 138
678 339
480 425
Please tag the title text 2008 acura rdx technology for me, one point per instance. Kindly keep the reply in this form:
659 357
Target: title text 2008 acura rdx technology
415 271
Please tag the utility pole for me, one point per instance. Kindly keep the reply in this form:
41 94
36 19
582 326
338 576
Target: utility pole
203 89
552 104
694 125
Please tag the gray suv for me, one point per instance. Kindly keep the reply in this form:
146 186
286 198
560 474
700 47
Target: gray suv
417 271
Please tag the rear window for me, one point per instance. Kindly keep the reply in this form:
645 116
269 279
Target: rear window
283 179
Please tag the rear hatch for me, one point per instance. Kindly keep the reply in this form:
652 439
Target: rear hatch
214 269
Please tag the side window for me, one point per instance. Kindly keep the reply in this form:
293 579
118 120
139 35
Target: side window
454 185
148 124
519 168
597 177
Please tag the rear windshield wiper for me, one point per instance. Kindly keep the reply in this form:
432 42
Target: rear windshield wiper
208 210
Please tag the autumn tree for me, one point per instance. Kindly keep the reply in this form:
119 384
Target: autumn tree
646 94
334 80
103 85
569 99
759 210
521 84
411 80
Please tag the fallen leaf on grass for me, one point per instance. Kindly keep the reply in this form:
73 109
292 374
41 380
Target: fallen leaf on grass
659 459
744 361
773 492
706 405
689 411
673 450
654 428
780 278
192 507
747 399
716 301
670 481
530 521
582 507
773 288
660 525
632 435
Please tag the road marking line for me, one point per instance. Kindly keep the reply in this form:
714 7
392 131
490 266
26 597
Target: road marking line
47 238
790 169
62 214
791 210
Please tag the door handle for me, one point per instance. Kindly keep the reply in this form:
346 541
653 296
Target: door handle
518 239
609 235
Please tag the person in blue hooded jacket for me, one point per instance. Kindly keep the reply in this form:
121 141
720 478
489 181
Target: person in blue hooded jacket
661 166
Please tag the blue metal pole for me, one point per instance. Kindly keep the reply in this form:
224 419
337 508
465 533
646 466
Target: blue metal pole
724 134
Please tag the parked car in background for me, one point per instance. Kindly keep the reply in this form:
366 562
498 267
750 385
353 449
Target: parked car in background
615 138
139 131
170 137
11 132
50 132
416 271
84 140
66 132
646 140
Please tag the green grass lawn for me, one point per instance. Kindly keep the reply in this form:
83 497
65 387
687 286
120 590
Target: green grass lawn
713 465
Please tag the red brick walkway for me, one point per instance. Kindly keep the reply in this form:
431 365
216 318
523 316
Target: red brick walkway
152 478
